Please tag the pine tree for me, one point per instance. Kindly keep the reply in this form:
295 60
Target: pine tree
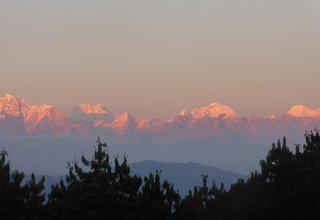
99 191
288 186
159 201
34 198
12 203
19 201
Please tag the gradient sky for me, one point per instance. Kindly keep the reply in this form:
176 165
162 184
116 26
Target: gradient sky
153 58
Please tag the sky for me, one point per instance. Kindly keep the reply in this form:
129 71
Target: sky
154 58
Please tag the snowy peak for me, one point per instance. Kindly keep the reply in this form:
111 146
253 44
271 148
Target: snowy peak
98 109
34 119
301 111
46 119
124 123
214 110
92 113
42 111
270 117
124 118
13 106
18 117
184 113
9 97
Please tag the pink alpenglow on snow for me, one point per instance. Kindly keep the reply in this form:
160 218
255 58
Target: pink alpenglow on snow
94 109
124 123
17 117
271 117
302 111
33 119
92 113
214 110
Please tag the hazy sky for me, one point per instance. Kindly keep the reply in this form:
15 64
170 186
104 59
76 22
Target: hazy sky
153 58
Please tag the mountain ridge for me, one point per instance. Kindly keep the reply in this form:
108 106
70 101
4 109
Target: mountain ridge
184 176
176 173
87 119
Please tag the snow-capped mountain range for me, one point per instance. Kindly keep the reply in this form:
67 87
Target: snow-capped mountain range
214 135
17 117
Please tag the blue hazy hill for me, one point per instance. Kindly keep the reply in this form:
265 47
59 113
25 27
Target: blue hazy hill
184 176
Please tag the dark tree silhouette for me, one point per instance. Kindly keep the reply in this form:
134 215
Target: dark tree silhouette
287 187
203 202
19 201
159 201
101 191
